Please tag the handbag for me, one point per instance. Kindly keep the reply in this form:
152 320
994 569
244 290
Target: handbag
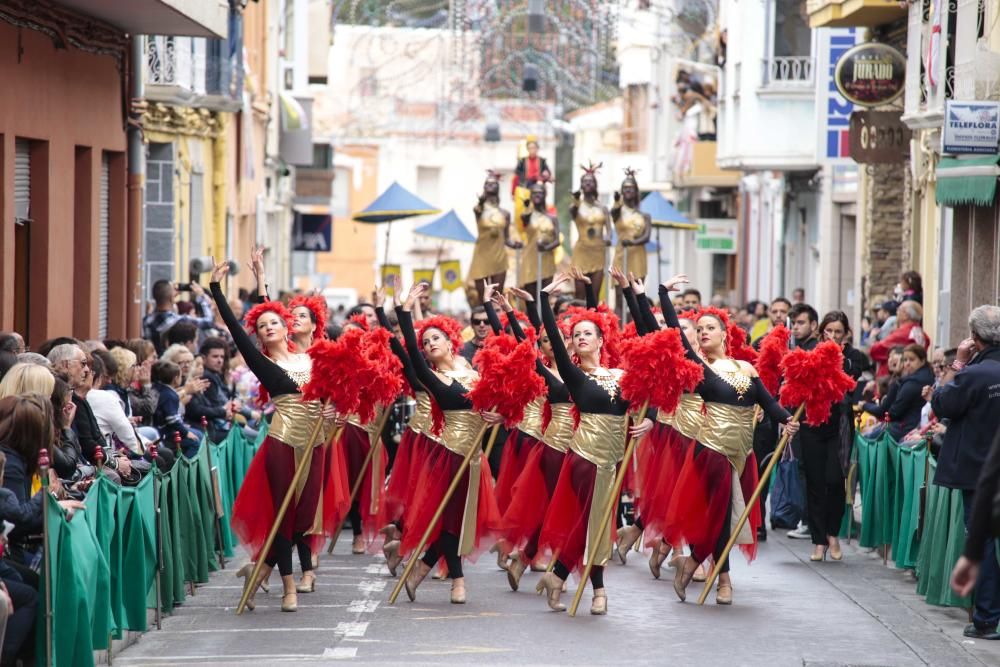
787 494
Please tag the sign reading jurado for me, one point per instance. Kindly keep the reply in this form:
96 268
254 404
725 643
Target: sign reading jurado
871 74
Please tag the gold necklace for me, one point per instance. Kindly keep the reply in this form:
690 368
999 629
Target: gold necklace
736 378
605 379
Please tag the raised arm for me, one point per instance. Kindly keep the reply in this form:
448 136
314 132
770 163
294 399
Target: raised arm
646 310
491 312
424 374
567 369
633 306
670 315
398 349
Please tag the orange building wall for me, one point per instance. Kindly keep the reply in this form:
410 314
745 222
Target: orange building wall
63 99
351 263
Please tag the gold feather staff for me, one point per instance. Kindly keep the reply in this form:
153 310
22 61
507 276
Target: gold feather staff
609 509
751 503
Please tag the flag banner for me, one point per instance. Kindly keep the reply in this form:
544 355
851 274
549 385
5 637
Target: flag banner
450 272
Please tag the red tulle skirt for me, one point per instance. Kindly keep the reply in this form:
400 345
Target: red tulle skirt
531 496
660 456
269 478
356 444
702 498
565 525
412 450
435 474
516 450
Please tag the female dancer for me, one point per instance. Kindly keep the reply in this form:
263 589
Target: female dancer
593 227
717 476
309 313
414 446
586 480
489 258
826 451
542 238
633 227
314 509
471 512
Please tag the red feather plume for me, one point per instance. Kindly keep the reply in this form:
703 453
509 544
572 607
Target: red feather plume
815 378
317 306
359 320
658 371
507 378
736 344
332 362
383 374
717 312
520 317
773 349
630 332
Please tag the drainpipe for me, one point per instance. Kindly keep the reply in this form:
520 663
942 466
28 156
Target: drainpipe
136 206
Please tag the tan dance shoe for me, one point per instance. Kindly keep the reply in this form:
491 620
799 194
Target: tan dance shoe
682 577
724 594
514 573
699 574
392 556
290 602
502 555
656 561
537 566
599 604
358 545
458 591
413 581
627 536
308 583
553 586
244 573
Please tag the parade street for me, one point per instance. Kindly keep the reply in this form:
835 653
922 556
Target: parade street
787 611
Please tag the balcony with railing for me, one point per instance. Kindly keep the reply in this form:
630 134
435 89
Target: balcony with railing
787 73
196 72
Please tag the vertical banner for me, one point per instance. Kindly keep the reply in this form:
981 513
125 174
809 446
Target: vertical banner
423 276
833 109
391 270
450 272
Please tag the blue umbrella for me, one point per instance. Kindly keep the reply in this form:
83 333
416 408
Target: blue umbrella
448 227
663 212
395 203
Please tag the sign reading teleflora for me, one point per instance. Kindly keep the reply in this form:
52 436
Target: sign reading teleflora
971 127
871 74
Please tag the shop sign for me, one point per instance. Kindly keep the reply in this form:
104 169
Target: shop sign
879 137
716 235
970 127
833 110
312 232
871 74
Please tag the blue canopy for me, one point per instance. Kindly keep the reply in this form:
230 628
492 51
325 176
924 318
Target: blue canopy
395 203
663 212
448 227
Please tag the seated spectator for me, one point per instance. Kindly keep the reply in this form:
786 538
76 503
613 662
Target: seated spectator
909 329
52 343
66 456
214 404
904 401
140 391
111 416
191 383
11 341
128 373
167 419
33 358
26 379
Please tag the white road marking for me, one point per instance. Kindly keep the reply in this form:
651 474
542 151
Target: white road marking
375 568
363 606
341 653
351 628
372 586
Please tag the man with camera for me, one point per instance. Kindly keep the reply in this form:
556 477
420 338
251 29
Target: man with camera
165 315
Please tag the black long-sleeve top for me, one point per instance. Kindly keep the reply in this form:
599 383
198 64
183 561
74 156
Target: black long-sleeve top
556 388
713 389
641 327
449 396
272 376
646 311
587 394
400 351
984 522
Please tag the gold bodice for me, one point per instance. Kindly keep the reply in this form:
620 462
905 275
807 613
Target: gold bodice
590 221
491 221
540 228
559 431
532 422
463 430
630 225
422 420
600 439
294 420
687 418
728 429
489 257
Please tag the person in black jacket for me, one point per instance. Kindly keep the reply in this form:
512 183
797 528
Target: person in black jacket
904 401
214 404
972 402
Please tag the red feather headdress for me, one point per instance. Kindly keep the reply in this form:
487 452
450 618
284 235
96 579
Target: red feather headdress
816 379
275 307
359 320
447 325
773 349
736 344
317 306
657 370
507 378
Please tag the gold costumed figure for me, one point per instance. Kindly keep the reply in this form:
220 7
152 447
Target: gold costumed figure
633 228
593 226
541 234
531 168
489 259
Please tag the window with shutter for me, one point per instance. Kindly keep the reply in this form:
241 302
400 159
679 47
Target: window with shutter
104 223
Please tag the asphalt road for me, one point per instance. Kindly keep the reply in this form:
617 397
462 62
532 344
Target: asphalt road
787 611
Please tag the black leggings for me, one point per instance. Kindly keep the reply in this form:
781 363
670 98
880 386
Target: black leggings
355 516
446 546
720 544
281 554
596 574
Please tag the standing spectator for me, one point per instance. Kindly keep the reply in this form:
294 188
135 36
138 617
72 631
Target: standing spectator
777 314
909 329
214 404
805 335
911 287
885 320
480 330
973 409
366 309
691 299
798 295
165 315
184 334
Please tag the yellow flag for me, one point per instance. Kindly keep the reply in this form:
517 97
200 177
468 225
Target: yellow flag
450 272
394 270
423 276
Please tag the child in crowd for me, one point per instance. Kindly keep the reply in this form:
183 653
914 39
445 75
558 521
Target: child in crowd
166 377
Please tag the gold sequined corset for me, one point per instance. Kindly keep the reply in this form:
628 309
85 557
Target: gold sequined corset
600 439
371 427
728 429
687 418
559 431
294 420
463 430
422 420
532 422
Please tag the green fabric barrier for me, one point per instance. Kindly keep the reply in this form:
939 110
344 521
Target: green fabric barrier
941 546
910 469
103 563
876 529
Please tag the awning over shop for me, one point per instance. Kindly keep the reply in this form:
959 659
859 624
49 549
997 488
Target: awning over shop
967 181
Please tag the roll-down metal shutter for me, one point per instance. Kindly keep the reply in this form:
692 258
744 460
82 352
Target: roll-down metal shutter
104 223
